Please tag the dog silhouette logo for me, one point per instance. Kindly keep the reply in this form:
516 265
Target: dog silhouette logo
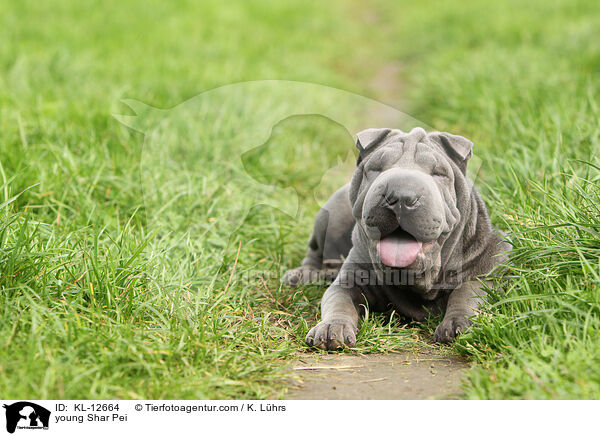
26 415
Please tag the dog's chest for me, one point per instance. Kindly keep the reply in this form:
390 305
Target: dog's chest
406 301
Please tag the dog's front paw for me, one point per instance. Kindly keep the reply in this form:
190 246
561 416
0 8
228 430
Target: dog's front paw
450 328
332 335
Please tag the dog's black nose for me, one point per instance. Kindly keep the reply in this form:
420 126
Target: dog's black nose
403 199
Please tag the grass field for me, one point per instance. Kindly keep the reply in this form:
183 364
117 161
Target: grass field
110 292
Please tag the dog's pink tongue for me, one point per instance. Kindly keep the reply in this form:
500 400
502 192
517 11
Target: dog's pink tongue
398 250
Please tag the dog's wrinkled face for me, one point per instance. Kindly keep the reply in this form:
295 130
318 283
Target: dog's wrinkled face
404 196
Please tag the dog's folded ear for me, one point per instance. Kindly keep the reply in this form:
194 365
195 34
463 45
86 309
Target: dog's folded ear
370 137
458 148
367 140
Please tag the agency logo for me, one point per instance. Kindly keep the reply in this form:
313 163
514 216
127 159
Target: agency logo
26 415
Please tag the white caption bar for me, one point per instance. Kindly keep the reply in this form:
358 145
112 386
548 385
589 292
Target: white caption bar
247 417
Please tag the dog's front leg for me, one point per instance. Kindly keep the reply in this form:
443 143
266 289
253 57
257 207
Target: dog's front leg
462 305
339 323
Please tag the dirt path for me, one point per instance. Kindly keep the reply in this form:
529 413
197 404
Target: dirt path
397 376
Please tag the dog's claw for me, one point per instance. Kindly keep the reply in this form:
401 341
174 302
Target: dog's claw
450 328
327 335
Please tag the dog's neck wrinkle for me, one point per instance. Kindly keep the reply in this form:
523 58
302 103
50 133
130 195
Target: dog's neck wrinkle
474 240
454 249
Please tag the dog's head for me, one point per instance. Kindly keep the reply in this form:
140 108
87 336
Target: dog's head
406 195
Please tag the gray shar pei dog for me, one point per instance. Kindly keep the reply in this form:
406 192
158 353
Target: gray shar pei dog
409 233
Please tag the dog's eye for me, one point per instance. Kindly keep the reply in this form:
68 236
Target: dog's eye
439 172
371 171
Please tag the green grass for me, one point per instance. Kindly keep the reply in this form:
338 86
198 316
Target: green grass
113 288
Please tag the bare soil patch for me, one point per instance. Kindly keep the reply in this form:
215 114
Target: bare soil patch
396 376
